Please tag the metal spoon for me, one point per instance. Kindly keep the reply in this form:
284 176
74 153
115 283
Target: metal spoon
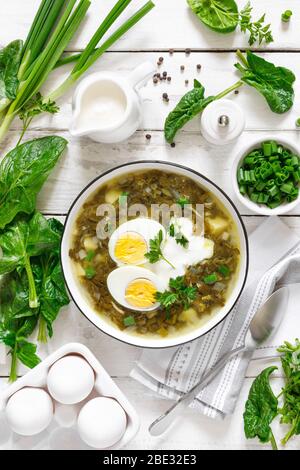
264 323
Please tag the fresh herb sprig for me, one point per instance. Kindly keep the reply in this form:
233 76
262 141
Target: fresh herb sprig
35 106
179 237
155 253
179 293
258 31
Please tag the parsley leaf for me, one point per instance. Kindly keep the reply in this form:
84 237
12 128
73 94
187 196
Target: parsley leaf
155 252
178 235
182 240
183 201
259 32
179 293
34 107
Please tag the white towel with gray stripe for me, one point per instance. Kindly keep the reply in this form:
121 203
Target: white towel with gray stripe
274 259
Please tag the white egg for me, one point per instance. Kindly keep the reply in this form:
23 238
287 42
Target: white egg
70 380
130 241
29 411
101 422
134 286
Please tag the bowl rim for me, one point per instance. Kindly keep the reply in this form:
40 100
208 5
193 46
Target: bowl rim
261 209
174 165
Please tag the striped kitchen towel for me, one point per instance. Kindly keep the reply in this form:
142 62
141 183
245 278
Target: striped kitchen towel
172 371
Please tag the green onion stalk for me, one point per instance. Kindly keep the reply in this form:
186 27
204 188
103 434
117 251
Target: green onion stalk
54 26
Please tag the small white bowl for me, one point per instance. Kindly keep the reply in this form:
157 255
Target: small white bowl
253 206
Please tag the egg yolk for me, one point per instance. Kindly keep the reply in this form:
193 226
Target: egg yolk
130 248
141 293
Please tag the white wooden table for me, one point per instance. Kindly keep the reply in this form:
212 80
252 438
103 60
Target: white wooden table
169 25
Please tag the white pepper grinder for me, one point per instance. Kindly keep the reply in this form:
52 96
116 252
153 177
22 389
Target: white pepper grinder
222 122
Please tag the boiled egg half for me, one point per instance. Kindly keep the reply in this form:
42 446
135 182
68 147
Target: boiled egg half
129 243
134 287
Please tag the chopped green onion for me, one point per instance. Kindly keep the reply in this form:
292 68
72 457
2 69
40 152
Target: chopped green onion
287 188
296 176
224 270
270 175
90 272
294 160
90 255
286 16
267 149
274 146
210 278
129 321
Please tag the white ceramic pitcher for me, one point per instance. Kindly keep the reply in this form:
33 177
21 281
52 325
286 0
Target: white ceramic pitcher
119 125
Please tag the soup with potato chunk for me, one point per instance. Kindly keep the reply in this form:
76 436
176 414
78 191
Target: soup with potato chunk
151 275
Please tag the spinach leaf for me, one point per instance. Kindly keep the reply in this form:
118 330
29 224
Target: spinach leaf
261 409
191 104
10 59
219 15
23 171
17 319
22 240
274 83
13 333
50 286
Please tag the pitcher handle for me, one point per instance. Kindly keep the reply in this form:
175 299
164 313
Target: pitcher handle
141 74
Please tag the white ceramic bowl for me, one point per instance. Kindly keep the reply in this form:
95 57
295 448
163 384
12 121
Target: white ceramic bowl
261 208
85 306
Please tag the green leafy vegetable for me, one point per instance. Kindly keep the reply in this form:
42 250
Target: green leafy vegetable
191 104
10 59
290 411
262 406
223 16
182 240
261 409
155 252
34 107
183 201
259 32
274 83
179 293
17 322
23 171
23 240
179 237
219 15
17 319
